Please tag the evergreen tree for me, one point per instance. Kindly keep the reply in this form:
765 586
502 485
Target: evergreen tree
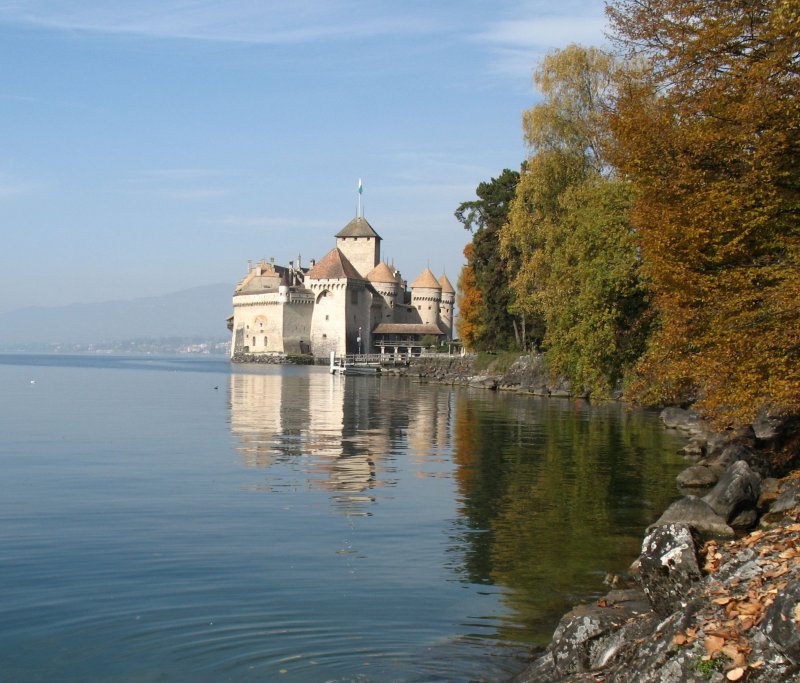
489 324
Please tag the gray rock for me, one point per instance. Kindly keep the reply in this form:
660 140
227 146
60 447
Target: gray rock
655 659
716 442
730 454
788 498
562 389
543 668
767 426
588 637
742 566
737 489
697 476
694 450
770 490
782 622
744 519
668 567
686 420
696 513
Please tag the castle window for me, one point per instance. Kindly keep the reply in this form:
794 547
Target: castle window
265 342
324 336
254 341
327 317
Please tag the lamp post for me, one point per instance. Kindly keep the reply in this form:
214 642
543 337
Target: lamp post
358 339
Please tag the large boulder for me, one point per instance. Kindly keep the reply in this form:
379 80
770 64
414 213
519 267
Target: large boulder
782 622
697 476
738 489
697 514
731 453
788 498
694 449
668 567
590 636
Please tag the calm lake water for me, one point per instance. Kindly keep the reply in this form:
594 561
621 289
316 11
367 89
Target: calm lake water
181 519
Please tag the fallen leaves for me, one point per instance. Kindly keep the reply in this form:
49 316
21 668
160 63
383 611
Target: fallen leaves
758 567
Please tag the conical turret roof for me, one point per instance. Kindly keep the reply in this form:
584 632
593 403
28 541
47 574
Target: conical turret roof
447 287
358 227
426 280
333 266
381 273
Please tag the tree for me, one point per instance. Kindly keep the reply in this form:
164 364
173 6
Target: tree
492 325
470 328
595 302
568 234
711 141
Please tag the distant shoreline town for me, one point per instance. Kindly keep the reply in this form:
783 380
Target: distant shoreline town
165 346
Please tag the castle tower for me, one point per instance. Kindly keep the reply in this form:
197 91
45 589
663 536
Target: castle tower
447 307
360 244
342 305
384 282
426 297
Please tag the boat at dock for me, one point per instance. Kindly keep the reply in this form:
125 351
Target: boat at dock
354 365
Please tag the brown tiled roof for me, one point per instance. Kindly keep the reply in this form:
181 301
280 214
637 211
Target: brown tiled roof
358 227
447 288
426 280
381 273
406 328
334 266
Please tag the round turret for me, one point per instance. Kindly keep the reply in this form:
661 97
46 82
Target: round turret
426 297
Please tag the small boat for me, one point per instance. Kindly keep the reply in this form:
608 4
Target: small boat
342 367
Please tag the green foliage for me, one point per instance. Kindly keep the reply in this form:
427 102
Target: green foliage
594 301
429 340
489 323
577 265
707 667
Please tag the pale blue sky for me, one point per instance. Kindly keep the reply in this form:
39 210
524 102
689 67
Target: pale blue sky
150 146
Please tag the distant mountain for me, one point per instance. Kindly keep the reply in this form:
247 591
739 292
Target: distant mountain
199 312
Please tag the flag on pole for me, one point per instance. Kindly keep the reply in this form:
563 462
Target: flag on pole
360 187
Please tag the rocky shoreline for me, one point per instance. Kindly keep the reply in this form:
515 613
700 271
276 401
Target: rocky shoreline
715 592
527 375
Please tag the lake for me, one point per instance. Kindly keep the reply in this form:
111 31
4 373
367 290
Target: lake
182 519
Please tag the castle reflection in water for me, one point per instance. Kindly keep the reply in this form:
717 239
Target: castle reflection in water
340 434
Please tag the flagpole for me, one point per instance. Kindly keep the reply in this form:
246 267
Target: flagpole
360 190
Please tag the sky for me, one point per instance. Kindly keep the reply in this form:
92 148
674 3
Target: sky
150 146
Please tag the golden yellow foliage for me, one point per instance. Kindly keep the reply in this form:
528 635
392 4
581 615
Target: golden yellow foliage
712 143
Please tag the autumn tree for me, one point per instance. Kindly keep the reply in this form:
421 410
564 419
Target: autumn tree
469 304
711 141
575 258
487 319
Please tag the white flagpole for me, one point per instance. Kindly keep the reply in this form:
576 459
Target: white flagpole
360 190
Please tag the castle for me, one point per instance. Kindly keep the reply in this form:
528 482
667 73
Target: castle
347 302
